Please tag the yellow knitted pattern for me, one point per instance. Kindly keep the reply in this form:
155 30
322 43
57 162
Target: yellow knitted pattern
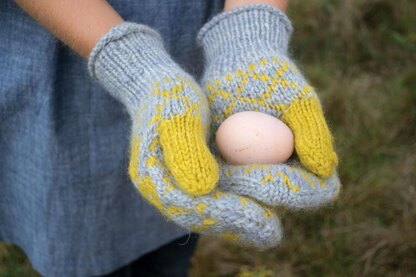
273 78
148 189
186 154
177 118
313 141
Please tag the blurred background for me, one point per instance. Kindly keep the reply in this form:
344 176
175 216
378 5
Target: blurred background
361 56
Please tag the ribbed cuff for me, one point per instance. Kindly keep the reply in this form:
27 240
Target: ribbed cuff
127 60
252 27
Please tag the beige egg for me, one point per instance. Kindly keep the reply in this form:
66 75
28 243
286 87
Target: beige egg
254 137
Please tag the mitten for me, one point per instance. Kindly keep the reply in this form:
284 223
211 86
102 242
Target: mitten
248 69
168 110
170 163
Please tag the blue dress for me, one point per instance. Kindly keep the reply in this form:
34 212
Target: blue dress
65 196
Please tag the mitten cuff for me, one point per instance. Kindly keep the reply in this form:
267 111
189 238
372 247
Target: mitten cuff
252 27
126 61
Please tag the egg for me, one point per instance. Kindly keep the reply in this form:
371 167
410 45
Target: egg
254 137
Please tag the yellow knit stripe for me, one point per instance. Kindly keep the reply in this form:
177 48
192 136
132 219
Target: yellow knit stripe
239 90
217 117
153 161
287 182
229 110
227 173
268 178
187 155
205 224
201 207
153 145
176 210
167 79
217 83
192 109
291 66
211 98
200 228
223 94
177 87
252 67
134 159
217 194
145 185
308 180
156 118
243 200
147 188
267 212
322 183
209 221
169 187
230 236
209 87
276 59
263 62
174 93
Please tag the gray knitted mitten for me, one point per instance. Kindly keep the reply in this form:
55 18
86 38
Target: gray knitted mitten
170 164
247 69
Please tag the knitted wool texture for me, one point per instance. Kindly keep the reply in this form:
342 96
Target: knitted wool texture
247 69
131 63
170 163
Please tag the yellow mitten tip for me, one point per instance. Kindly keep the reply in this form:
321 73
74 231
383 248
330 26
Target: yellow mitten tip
186 154
313 139
322 166
200 185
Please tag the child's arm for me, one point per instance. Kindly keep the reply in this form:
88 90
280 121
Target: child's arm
78 23
231 4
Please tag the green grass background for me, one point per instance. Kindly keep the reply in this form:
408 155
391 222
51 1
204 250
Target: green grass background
361 56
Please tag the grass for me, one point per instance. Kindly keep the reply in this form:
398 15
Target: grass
361 56
13 262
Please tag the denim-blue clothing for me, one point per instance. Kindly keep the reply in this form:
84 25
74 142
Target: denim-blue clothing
65 196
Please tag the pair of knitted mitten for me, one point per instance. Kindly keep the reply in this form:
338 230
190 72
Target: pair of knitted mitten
248 69
170 162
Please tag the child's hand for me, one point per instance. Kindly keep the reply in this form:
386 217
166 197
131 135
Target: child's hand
168 109
285 185
170 163
248 70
